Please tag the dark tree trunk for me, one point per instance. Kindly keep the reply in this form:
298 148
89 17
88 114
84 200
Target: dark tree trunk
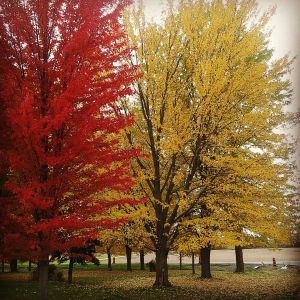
180 261
2 265
128 257
43 279
193 263
70 270
205 262
13 265
239 259
142 260
109 267
199 261
29 265
162 274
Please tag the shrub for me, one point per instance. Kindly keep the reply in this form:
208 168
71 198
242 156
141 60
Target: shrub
152 265
59 276
53 274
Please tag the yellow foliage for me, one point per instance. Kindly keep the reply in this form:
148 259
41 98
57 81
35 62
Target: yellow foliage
205 113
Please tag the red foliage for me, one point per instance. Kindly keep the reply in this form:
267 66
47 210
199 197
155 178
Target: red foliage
64 68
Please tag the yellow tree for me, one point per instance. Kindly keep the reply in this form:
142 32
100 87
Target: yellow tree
110 240
202 86
256 206
249 204
130 235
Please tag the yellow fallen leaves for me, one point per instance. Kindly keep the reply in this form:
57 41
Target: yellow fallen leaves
267 283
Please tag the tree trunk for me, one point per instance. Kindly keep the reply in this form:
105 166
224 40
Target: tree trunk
199 261
128 257
205 262
180 261
109 267
70 270
29 265
142 260
13 265
2 265
162 274
193 263
43 279
239 259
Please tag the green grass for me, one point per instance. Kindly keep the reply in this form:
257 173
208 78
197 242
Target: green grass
92 282
23 266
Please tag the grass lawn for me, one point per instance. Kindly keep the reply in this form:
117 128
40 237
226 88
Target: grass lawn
92 282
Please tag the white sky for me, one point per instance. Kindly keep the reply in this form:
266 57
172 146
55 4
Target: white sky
285 38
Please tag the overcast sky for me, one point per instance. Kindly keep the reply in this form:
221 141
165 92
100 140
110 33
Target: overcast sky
286 35
286 39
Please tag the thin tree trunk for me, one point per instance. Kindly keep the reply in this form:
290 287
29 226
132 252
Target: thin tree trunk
239 259
193 263
43 279
44 173
29 265
199 261
13 265
180 261
70 270
142 260
128 257
109 267
2 265
162 274
205 262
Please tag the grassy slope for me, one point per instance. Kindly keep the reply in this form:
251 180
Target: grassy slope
91 282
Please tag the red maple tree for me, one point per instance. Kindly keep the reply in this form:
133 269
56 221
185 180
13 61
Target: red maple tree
65 67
